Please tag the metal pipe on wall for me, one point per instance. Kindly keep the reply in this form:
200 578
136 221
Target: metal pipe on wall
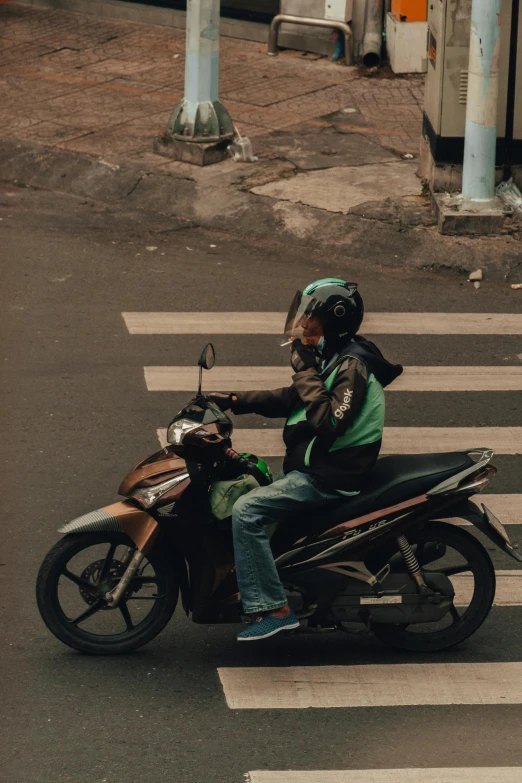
373 26
480 139
278 20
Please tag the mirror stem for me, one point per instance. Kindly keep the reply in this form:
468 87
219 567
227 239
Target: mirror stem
200 379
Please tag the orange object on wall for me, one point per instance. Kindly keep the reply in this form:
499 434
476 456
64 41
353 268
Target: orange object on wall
410 10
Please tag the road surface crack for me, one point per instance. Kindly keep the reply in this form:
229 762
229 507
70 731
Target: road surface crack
133 187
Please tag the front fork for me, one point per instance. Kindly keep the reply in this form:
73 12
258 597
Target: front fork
113 597
123 516
143 529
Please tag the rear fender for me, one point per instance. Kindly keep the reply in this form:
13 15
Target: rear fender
487 523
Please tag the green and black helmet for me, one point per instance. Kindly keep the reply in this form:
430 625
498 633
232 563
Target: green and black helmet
336 303
259 469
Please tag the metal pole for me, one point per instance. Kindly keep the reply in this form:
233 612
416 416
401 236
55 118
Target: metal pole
478 178
200 116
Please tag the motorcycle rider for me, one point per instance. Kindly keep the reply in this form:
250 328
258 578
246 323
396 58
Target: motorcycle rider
334 412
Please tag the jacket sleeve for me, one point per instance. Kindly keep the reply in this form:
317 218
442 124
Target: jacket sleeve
277 404
330 413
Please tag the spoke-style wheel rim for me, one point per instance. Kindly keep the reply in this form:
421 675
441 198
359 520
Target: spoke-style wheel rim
88 613
107 564
457 612
90 586
124 609
461 559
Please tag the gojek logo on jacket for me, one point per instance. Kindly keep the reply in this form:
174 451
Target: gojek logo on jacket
346 404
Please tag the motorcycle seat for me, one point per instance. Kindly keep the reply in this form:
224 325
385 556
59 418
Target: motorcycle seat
392 480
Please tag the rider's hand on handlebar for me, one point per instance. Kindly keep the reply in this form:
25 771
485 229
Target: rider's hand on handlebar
223 400
303 356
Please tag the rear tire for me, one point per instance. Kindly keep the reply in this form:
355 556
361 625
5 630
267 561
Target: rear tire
403 638
60 625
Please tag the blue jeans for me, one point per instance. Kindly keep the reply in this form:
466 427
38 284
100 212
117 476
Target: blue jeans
259 584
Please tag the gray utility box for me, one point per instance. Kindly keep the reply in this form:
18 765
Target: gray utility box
442 148
309 38
516 143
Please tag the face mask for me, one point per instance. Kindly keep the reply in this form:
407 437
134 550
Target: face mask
320 346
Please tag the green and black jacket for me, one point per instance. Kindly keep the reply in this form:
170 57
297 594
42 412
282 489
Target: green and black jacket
334 418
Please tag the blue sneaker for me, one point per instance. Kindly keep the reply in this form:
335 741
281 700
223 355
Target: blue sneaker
266 626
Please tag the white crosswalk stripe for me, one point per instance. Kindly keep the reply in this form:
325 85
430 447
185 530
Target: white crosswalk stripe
440 775
396 440
412 775
371 685
422 379
508 508
508 592
208 323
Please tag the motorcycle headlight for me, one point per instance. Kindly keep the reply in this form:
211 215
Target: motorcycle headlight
148 496
178 429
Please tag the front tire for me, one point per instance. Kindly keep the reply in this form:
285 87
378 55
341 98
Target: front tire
87 588
415 638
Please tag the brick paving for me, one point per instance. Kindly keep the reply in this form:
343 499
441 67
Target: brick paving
106 87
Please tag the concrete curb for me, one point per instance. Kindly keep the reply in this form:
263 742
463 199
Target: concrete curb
219 203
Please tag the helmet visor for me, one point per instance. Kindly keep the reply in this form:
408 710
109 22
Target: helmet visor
303 306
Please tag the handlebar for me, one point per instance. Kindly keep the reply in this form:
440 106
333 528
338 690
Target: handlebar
235 457
250 467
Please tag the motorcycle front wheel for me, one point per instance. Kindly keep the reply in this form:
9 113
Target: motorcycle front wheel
72 582
469 567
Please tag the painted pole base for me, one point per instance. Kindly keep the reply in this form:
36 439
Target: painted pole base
209 122
191 151
458 215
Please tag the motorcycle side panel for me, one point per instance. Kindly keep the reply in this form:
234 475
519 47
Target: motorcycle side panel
356 536
374 519
150 473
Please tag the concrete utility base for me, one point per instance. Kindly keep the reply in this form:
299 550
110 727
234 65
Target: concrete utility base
459 215
198 153
444 177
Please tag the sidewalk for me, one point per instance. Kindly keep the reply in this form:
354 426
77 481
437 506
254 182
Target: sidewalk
83 100
103 87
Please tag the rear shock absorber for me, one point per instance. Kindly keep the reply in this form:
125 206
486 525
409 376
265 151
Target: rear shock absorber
411 562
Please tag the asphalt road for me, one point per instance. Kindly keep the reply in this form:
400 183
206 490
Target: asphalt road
76 416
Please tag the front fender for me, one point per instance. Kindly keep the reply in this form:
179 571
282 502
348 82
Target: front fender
122 517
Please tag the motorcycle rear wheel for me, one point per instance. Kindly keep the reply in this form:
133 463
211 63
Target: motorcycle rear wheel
86 592
412 637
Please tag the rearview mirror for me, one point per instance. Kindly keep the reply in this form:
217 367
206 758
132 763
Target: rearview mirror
208 357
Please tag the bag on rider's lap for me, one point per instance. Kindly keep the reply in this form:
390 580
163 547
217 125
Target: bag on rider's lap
223 494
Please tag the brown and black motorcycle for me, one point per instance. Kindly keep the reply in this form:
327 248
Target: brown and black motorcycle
384 562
